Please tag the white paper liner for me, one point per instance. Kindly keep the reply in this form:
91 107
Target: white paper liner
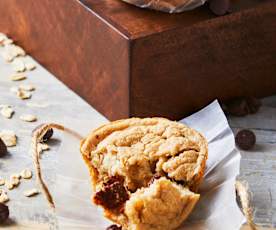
216 210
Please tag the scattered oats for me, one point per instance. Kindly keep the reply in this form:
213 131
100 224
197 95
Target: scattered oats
16 50
30 66
14 181
18 65
18 77
28 118
22 94
26 174
8 137
2 181
3 196
31 192
7 112
8 41
41 147
9 185
14 89
15 176
8 57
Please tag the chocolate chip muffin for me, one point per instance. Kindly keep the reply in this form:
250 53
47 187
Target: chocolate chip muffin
145 172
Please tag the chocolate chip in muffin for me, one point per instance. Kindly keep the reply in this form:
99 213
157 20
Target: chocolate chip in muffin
219 7
3 148
113 195
114 227
4 213
47 136
245 139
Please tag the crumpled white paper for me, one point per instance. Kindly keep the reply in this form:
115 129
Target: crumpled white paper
216 210
169 6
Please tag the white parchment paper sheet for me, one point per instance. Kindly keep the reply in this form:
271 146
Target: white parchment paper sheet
216 210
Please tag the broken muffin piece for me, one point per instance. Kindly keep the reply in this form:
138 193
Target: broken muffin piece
145 167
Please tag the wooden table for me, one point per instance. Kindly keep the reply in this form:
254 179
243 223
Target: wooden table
52 101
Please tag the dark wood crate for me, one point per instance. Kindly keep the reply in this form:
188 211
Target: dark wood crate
127 61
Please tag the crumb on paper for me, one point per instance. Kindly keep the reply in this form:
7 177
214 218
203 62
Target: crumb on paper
8 137
22 94
26 174
7 112
18 77
28 117
31 192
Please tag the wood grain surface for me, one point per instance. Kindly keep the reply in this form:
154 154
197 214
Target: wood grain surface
131 62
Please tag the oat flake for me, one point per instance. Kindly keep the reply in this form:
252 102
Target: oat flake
9 185
31 192
26 174
27 87
8 57
18 65
3 196
7 112
28 118
18 77
15 176
22 94
8 137
30 66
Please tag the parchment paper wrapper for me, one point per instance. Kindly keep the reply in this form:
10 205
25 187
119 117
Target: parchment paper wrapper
170 6
216 209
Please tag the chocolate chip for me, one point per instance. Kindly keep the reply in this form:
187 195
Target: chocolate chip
242 106
245 139
47 136
3 148
219 7
4 213
114 227
113 195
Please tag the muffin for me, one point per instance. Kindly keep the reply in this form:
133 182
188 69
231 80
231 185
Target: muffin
145 172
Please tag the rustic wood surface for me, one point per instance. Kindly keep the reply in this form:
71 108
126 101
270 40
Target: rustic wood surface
52 101
118 56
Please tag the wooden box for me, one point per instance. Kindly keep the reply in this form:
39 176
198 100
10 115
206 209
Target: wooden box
127 61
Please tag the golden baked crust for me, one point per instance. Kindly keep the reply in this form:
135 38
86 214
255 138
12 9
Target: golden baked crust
138 149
